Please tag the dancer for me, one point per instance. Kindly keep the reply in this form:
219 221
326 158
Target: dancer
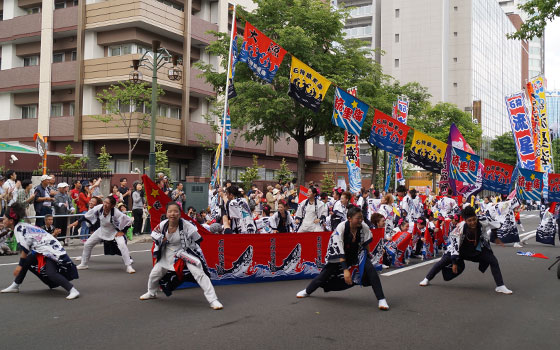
112 227
348 254
340 209
281 221
311 214
238 212
41 253
469 241
179 258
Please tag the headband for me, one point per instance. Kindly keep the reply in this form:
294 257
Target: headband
12 214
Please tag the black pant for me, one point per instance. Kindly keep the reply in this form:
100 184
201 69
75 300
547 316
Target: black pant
50 270
61 223
330 269
486 256
137 225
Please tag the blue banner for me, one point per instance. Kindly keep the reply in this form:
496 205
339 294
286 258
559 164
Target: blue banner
464 166
349 113
388 179
529 184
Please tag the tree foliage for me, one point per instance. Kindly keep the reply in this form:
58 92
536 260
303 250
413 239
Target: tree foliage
503 149
104 158
283 174
250 174
162 163
327 183
312 31
70 162
437 120
540 12
118 99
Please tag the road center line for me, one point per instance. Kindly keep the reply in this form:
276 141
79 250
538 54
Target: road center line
132 251
391 273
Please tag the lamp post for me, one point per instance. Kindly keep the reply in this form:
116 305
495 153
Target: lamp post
154 60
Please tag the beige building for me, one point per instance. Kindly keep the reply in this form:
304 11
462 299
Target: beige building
57 55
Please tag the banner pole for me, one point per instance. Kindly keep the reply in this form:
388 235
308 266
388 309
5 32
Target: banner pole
222 142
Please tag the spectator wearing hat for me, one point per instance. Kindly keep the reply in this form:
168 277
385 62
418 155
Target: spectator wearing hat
62 206
43 200
271 197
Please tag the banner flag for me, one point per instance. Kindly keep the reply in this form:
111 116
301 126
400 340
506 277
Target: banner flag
521 132
399 169
535 126
306 85
349 112
302 194
529 184
228 129
157 202
464 165
497 176
233 59
427 152
352 156
261 54
401 116
546 232
216 171
389 170
538 85
553 187
388 134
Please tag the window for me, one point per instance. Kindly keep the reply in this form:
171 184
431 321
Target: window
143 49
397 38
58 57
59 5
1 15
76 2
175 112
140 107
74 56
29 112
455 34
454 59
118 50
454 84
397 63
397 13
72 108
124 107
162 110
455 8
33 10
56 109
30 61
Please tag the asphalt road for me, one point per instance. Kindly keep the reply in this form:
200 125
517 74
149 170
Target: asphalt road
465 313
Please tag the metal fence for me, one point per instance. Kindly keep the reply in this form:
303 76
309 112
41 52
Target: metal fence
67 176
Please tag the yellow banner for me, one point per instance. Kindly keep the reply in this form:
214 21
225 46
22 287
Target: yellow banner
546 147
427 152
535 125
306 85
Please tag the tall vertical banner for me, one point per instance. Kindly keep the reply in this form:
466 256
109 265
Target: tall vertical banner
535 125
522 134
352 156
544 138
401 116
389 170
233 57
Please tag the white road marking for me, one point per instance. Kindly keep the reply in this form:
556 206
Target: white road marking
391 273
527 233
132 251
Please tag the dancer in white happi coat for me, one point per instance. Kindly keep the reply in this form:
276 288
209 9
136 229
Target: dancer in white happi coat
311 213
41 253
112 225
179 258
239 212
386 209
447 205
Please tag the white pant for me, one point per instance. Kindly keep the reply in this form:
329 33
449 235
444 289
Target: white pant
94 239
310 227
158 271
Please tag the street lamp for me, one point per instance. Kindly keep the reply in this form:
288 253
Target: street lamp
154 60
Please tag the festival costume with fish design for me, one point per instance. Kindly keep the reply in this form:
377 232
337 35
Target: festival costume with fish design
179 259
263 225
240 215
503 213
109 225
548 227
282 224
472 248
307 214
389 214
343 254
46 258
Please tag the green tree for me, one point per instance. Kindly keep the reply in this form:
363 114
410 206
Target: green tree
161 161
312 31
117 101
540 12
438 119
104 158
327 183
71 162
503 149
284 174
250 174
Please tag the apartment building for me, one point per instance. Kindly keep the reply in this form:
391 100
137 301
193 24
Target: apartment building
58 55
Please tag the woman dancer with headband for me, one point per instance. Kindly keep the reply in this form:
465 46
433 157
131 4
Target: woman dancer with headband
41 253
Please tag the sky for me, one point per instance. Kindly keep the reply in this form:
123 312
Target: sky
552 55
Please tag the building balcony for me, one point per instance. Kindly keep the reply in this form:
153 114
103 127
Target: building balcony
30 25
147 14
18 129
27 78
61 127
168 130
198 84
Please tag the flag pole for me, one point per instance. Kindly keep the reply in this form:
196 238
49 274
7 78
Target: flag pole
222 142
